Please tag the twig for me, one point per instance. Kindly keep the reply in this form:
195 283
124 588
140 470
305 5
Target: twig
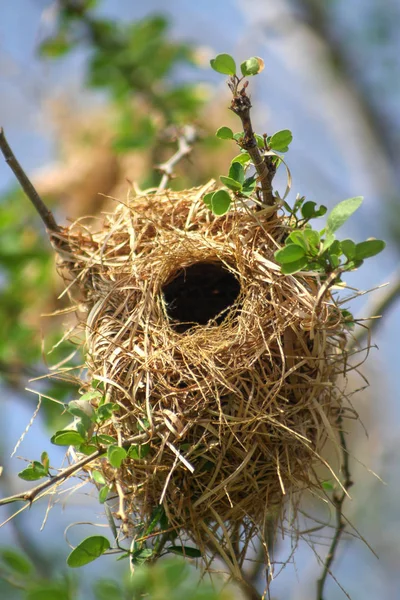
31 495
185 142
338 500
264 166
378 307
45 214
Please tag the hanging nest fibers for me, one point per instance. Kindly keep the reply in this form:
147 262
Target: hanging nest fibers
229 365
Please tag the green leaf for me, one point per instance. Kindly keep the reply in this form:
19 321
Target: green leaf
252 66
243 158
141 556
105 440
368 248
105 411
236 172
95 395
116 455
348 248
224 133
138 452
298 237
220 202
348 318
103 493
280 140
16 561
67 438
341 212
313 240
55 47
260 141
233 185
88 550
223 63
327 242
49 591
293 267
87 449
107 589
207 199
98 477
328 486
156 516
44 459
185 551
35 471
289 254
249 185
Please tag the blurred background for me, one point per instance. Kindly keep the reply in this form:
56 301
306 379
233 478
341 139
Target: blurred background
89 91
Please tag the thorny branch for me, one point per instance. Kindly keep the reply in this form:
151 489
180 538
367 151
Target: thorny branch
31 495
186 139
338 501
264 165
45 214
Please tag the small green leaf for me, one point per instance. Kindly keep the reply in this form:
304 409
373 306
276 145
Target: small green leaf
138 452
207 199
223 63
289 254
328 486
298 237
368 248
280 140
348 248
67 438
105 440
233 185
313 240
327 242
95 395
348 318
44 459
224 133
35 471
155 519
249 185
242 158
236 172
98 477
141 556
105 411
260 141
49 591
88 550
55 47
87 449
293 267
103 493
185 551
220 202
341 212
252 66
16 561
116 455
335 248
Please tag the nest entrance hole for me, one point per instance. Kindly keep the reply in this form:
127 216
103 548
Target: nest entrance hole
200 293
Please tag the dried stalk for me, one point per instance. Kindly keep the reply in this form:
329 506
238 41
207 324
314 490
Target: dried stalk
185 142
338 501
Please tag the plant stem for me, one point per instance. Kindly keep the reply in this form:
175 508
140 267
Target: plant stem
241 106
45 214
32 494
338 500
185 141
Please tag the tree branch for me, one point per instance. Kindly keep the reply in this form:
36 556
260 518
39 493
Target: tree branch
32 494
338 500
45 214
264 166
185 142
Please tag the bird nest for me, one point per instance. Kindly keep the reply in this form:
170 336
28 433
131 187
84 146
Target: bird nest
226 363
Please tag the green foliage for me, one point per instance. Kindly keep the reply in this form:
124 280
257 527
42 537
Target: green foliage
252 66
311 250
88 550
280 140
15 561
219 202
223 63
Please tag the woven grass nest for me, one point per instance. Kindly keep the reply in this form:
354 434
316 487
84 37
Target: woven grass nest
228 364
